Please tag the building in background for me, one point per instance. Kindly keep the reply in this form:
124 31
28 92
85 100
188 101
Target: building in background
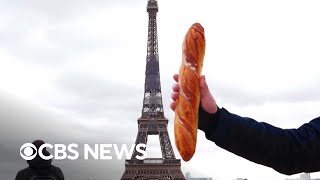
303 176
188 177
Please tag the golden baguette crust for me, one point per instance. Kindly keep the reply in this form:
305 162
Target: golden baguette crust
186 111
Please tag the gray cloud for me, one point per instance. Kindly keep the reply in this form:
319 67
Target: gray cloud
38 31
92 87
48 44
92 95
100 106
241 96
61 10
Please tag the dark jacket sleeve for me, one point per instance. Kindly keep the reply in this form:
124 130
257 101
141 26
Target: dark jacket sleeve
288 151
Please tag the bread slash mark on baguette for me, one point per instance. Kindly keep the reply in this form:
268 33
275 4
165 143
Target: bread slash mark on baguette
186 125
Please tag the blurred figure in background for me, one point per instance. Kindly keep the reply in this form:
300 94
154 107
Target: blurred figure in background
40 169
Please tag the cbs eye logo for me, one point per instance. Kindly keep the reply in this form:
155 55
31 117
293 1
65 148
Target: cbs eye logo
28 151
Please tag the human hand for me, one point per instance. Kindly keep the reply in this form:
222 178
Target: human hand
208 103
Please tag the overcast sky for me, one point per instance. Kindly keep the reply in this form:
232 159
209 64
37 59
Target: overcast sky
73 71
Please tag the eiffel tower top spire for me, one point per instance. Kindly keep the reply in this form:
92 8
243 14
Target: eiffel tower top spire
152 102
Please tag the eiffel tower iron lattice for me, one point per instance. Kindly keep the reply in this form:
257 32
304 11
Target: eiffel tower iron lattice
152 120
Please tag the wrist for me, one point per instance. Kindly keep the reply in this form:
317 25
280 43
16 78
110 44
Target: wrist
207 120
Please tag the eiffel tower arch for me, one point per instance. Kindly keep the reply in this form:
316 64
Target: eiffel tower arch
152 120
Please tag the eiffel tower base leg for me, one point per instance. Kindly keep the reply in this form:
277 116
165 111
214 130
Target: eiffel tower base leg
153 171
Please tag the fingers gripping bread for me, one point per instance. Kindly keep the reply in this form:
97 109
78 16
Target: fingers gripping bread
186 111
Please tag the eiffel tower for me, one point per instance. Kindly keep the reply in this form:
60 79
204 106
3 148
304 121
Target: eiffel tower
152 120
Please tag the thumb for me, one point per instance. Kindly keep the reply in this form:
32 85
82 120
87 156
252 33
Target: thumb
207 101
204 89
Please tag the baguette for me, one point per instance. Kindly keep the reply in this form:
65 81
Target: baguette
187 104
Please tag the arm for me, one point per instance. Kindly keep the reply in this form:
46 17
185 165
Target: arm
288 151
